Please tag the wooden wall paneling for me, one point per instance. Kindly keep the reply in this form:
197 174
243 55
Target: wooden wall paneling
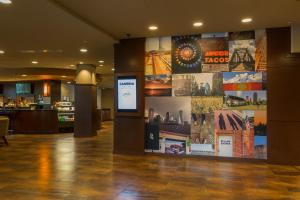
129 130
283 98
55 91
85 111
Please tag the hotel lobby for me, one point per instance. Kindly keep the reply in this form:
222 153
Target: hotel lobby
149 99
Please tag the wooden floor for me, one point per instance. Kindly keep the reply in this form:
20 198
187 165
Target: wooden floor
62 167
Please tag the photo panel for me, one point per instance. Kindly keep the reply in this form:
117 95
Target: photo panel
168 123
197 84
246 100
173 146
261 50
215 52
202 84
158 85
207 84
186 54
158 56
206 94
242 55
202 129
241 35
243 81
182 84
260 134
248 134
215 67
229 129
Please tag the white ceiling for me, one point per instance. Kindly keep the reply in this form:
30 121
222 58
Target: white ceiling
64 26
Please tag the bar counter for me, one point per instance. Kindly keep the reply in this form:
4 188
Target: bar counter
24 121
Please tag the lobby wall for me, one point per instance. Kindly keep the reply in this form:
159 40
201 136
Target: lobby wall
283 98
283 114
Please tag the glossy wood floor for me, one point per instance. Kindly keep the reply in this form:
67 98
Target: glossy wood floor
62 167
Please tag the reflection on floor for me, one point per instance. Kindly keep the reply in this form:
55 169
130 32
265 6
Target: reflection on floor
61 167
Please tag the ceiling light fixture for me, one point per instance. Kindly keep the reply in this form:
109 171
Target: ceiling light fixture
101 61
2 52
83 50
64 76
24 75
34 62
198 24
80 62
152 28
5 1
113 69
246 20
100 65
69 82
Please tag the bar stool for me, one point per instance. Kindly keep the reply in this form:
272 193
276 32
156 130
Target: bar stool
4 123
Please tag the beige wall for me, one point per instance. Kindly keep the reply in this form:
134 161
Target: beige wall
99 98
67 90
107 99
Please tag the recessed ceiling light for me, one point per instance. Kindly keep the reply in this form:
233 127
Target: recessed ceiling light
101 61
152 28
28 51
34 62
45 51
5 1
81 62
100 65
72 65
24 75
2 52
198 24
113 69
69 82
247 20
83 50
63 76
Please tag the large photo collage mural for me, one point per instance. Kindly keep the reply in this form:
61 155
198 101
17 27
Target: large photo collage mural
206 94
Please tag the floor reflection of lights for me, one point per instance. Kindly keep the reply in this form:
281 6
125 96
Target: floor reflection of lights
44 169
65 161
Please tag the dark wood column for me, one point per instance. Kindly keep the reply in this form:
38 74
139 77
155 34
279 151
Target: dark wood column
283 99
85 102
129 131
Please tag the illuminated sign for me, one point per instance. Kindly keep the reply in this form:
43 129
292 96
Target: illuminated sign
127 98
216 57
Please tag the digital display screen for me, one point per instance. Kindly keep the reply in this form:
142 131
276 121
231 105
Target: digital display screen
127 98
23 88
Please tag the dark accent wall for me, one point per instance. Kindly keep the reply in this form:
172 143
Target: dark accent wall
9 90
55 91
86 115
129 131
1 88
283 98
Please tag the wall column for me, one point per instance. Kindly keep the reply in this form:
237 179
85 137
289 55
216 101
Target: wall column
85 101
129 131
283 99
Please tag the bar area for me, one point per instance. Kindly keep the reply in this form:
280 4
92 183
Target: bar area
38 107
